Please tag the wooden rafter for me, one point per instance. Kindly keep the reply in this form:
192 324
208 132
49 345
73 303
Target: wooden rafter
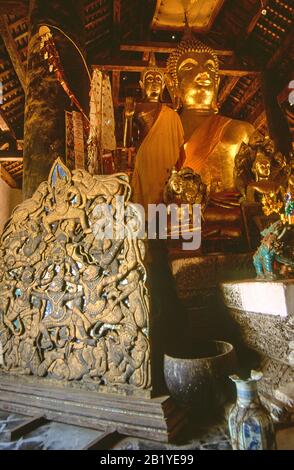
162 47
7 177
17 116
6 125
115 87
11 102
13 7
137 66
12 50
227 90
5 74
116 22
10 159
10 92
282 50
116 11
9 156
254 20
258 118
252 89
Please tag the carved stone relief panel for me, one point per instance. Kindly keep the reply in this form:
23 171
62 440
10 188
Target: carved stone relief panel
74 304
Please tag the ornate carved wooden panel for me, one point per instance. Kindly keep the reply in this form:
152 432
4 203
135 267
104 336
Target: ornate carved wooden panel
74 305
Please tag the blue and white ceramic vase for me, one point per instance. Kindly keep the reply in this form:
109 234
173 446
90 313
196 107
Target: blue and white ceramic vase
250 424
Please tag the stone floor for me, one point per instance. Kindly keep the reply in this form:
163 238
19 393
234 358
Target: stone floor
56 436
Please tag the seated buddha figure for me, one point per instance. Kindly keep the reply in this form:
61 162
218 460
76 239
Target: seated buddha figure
261 173
162 139
211 140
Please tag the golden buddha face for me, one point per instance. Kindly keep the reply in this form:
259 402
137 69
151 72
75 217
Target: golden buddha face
262 166
153 86
198 80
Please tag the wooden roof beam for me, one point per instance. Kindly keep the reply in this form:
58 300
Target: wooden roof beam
227 90
162 47
5 74
14 7
5 124
255 19
20 21
12 50
116 25
115 87
11 91
252 89
17 172
258 118
17 116
9 156
137 66
7 177
282 50
117 11
9 103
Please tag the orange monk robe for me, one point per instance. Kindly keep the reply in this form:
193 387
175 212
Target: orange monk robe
213 158
209 156
158 153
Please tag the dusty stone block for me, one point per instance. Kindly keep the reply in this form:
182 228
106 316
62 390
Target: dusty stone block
285 394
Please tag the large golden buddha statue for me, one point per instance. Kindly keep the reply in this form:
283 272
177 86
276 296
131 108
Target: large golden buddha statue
211 140
162 139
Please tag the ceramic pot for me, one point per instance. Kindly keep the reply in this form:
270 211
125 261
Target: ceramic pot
198 379
250 424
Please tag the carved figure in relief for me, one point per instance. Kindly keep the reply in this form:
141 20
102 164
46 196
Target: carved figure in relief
70 292
261 173
68 204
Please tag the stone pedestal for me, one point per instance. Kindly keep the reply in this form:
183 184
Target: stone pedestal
197 279
263 314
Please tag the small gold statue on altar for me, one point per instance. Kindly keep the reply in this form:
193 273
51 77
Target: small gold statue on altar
185 187
261 174
161 135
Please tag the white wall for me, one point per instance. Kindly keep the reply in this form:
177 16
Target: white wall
9 198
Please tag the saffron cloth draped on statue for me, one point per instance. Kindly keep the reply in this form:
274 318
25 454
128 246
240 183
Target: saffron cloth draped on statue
205 156
158 153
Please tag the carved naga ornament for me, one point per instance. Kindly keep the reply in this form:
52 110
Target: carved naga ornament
74 305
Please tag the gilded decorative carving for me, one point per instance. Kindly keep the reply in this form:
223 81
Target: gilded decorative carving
185 187
74 303
261 173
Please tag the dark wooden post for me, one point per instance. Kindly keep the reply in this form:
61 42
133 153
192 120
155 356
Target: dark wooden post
46 102
277 121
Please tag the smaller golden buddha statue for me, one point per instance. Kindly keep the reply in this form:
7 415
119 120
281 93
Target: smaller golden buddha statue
261 174
185 187
161 135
